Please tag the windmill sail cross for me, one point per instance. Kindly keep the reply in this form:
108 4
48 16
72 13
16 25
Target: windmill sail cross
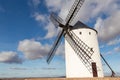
80 51
57 21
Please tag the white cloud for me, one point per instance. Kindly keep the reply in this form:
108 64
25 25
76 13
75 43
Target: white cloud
43 19
10 57
99 24
113 42
102 46
36 2
108 28
39 17
54 5
52 31
117 49
34 6
33 49
91 9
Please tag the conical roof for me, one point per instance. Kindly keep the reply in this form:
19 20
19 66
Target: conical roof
79 25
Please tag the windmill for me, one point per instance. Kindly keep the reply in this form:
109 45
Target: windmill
82 54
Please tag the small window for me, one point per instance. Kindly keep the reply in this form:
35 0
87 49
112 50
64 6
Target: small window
89 33
80 33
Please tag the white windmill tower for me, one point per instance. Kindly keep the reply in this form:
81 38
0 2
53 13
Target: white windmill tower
87 62
81 46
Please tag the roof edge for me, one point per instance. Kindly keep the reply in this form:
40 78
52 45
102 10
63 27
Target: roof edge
81 25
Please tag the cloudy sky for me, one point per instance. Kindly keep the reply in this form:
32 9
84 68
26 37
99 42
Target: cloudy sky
26 35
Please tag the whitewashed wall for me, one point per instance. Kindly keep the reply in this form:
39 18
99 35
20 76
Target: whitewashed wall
74 67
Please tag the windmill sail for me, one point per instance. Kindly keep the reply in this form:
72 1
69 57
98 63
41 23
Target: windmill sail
74 10
55 46
57 21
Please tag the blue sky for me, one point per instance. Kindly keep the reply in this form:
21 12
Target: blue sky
26 35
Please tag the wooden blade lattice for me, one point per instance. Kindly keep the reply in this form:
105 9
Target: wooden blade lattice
56 20
73 11
55 46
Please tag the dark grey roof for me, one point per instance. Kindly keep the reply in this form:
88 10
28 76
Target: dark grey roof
81 25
